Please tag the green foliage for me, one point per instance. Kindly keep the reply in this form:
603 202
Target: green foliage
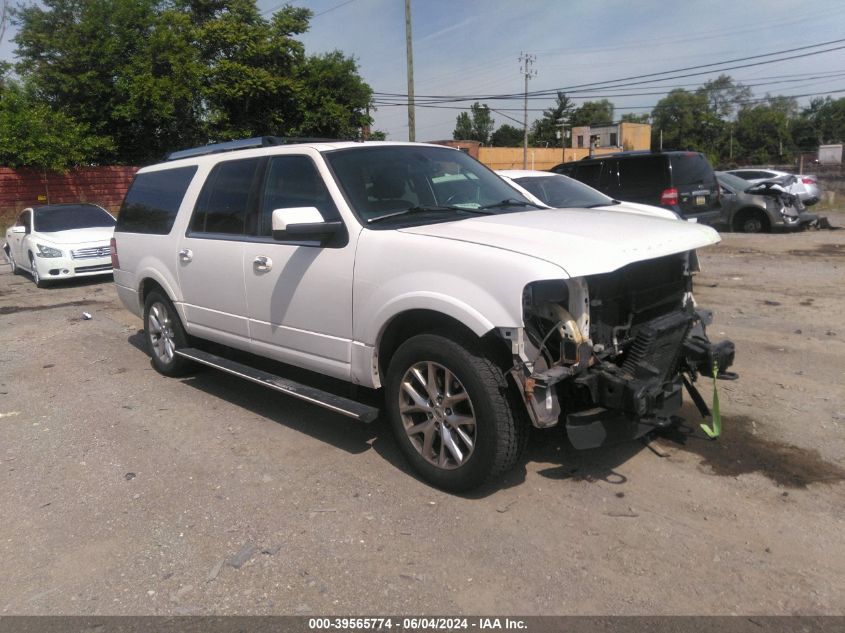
724 96
545 131
762 135
157 75
475 125
506 136
592 113
32 134
630 117
331 98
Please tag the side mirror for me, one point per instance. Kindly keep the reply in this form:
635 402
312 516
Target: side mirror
18 229
304 224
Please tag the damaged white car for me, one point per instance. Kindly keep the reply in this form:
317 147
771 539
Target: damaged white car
415 270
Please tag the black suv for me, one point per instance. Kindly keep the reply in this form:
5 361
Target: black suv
682 181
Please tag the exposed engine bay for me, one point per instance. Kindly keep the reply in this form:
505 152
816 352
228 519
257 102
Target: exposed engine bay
608 353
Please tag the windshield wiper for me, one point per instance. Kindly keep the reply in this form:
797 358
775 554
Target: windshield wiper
508 202
424 209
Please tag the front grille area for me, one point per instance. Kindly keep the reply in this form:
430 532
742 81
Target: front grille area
635 294
91 269
92 252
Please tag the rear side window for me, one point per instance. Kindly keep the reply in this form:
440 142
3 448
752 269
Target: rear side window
589 174
691 168
646 173
151 204
227 198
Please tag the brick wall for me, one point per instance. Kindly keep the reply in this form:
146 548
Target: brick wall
20 188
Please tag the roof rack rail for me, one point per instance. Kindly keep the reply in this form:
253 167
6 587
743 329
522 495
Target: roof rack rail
245 143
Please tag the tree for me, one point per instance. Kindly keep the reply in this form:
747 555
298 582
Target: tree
32 134
592 113
545 131
724 96
157 75
475 125
630 117
762 134
506 136
823 121
686 121
331 98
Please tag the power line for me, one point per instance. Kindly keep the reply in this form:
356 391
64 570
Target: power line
604 84
639 107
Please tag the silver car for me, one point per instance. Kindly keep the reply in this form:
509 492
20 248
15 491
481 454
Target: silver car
761 207
805 186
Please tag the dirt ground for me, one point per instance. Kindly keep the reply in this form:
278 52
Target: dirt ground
124 492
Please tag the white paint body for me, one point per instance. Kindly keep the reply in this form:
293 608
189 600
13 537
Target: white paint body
83 252
325 309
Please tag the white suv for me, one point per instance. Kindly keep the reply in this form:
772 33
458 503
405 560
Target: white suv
414 269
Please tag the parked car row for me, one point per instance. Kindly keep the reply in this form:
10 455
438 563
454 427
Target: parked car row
740 200
54 242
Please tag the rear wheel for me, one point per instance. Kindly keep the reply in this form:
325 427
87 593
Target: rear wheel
751 221
450 412
165 334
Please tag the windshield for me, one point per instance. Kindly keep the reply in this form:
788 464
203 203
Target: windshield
72 216
419 184
563 192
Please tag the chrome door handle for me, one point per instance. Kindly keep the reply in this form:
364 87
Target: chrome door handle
186 254
262 263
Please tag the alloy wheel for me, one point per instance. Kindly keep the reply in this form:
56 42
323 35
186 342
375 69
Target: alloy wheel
438 415
160 332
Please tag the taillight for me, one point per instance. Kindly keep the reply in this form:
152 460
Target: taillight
115 262
669 197
808 181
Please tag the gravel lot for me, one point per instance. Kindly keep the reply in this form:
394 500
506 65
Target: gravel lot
124 492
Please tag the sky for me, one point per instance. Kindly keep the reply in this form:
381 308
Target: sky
472 47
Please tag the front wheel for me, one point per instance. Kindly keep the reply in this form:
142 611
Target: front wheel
39 283
15 268
450 412
165 334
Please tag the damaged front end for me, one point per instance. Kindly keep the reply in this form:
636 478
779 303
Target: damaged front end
607 354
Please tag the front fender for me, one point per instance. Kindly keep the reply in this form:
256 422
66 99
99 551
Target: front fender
479 286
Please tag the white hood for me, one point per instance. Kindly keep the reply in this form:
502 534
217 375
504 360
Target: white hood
92 235
581 241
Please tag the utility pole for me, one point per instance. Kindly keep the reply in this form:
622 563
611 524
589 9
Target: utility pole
412 125
526 60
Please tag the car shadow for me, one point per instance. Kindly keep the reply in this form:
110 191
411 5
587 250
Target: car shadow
546 446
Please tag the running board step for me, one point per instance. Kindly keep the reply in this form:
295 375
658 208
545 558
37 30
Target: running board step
338 404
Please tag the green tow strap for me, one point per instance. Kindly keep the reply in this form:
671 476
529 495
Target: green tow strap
716 431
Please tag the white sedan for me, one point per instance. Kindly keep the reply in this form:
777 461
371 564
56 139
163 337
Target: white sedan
561 192
61 241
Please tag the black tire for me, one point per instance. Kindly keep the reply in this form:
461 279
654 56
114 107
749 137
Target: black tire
164 334
751 221
39 283
498 436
